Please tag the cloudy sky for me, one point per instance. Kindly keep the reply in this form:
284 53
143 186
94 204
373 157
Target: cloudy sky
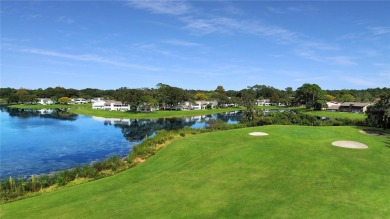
196 44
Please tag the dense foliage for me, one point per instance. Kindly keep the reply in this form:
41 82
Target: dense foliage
378 115
166 96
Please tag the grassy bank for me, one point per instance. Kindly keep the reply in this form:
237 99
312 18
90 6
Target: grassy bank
157 114
335 114
293 172
328 114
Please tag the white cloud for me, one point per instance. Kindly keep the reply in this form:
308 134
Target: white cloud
276 10
363 81
379 30
87 58
181 43
339 60
65 19
343 60
230 26
171 7
295 9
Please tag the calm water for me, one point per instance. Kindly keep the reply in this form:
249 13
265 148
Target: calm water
36 142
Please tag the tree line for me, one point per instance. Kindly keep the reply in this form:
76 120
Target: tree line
165 95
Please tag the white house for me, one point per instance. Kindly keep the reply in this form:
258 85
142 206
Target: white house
45 101
97 99
198 105
110 105
332 106
263 102
78 101
98 104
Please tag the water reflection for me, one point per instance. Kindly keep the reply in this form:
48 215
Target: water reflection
42 141
139 129
60 114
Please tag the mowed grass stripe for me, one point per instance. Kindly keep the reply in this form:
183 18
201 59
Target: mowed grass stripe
292 172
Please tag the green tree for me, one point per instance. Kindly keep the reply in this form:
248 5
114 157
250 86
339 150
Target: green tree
201 96
220 89
64 100
169 97
346 98
275 98
329 97
248 98
311 95
378 115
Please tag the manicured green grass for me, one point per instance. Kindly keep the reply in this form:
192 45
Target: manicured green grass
157 114
53 106
336 114
294 172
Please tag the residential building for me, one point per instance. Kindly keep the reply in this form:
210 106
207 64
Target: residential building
332 106
78 101
199 104
110 105
45 101
354 107
263 102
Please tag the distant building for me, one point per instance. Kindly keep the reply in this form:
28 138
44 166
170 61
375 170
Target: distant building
354 107
78 101
332 106
45 101
199 104
110 105
263 102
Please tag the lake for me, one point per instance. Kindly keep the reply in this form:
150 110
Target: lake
42 141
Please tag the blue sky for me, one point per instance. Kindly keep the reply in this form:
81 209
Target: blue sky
195 44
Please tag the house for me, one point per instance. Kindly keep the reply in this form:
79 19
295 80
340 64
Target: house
278 104
45 101
145 107
332 106
199 104
354 107
97 99
263 102
98 104
110 105
202 104
78 101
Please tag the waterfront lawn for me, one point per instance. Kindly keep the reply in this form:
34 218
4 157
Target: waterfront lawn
155 114
294 172
335 114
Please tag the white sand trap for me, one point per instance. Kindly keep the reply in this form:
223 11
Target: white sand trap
349 144
258 133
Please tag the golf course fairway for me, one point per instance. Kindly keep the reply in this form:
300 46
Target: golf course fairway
293 172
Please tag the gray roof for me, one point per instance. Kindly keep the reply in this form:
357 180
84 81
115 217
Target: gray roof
357 104
334 107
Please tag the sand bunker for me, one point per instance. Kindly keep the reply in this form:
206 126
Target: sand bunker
349 144
258 133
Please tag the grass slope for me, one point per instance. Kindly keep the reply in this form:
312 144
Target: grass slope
294 172
156 114
336 114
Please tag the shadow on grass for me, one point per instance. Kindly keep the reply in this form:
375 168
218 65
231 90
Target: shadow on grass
376 132
387 143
